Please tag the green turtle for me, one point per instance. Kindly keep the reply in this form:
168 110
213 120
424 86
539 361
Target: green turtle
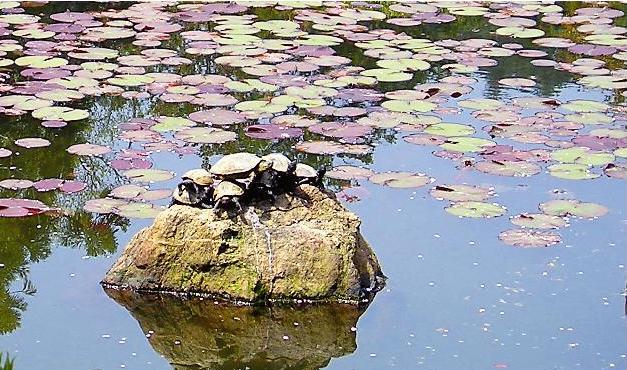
227 192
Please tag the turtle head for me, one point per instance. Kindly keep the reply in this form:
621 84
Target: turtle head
264 166
291 168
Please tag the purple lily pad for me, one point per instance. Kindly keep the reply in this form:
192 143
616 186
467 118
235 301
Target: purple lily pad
32 142
70 186
48 184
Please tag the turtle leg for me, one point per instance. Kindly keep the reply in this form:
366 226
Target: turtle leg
238 205
320 177
218 205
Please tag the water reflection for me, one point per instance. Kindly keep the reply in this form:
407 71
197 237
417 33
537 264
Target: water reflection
199 334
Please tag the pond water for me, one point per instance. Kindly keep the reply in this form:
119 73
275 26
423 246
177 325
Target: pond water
536 96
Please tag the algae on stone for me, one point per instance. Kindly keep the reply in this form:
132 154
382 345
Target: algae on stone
302 246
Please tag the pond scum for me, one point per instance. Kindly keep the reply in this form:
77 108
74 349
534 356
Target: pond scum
93 94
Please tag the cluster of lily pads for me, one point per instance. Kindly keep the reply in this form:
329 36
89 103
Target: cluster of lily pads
284 80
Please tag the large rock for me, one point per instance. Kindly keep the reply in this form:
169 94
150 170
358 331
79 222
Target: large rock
199 334
304 246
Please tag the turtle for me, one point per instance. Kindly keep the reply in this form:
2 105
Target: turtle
305 174
227 191
284 169
186 193
203 181
248 169
238 166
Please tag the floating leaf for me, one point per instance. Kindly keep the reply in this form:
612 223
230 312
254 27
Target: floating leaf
137 210
571 171
458 193
538 221
400 179
349 173
60 114
148 175
508 168
476 209
569 207
88 149
205 135
32 142
529 238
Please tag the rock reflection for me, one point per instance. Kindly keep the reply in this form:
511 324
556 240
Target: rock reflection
199 334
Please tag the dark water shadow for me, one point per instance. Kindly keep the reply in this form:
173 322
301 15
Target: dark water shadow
199 334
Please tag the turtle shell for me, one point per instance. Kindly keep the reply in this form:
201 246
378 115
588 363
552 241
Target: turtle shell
306 171
199 176
185 196
279 161
235 164
227 189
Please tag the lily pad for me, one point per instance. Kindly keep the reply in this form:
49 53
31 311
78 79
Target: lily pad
32 142
538 221
400 179
60 114
205 135
461 192
571 207
148 175
529 238
88 149
474 209
349 173
571 171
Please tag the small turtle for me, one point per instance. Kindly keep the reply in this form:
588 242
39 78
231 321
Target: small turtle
305 174
186 193
284 177
238 166
227 192
203 181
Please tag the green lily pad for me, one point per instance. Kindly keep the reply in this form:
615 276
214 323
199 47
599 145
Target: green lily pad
260 106
387 75
205 135
529 238
520 32
585 106
450 129
405 106
571 171
571 207
538 221
130 80
591 118
168 124
582 155
404 64
60 114
148 175
476 209
460 192
40 61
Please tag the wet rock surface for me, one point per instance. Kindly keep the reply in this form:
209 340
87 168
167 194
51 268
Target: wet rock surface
303 246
